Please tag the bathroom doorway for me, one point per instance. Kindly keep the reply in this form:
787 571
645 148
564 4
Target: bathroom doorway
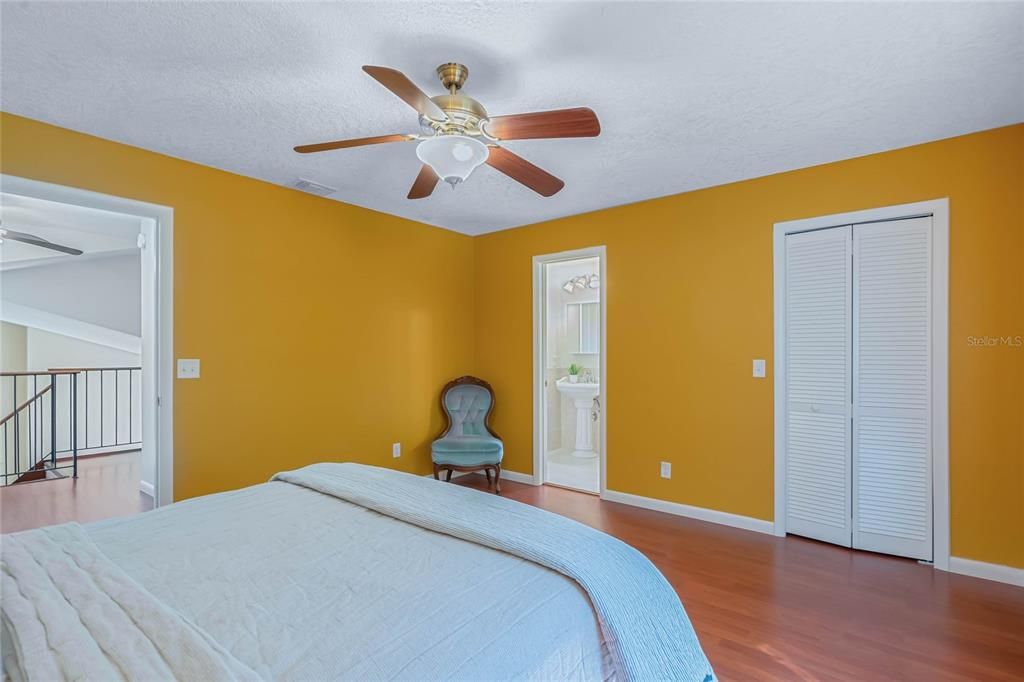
569 364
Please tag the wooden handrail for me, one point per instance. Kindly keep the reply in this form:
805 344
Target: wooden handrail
25 404
92 369
51 372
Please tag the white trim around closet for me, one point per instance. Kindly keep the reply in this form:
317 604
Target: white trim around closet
939 210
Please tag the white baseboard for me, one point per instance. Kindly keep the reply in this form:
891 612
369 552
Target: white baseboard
691 512
981 569
147 489
517 477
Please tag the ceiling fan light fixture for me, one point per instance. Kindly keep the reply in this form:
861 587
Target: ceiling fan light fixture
453 157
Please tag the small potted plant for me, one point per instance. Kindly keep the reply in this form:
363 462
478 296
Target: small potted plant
574 373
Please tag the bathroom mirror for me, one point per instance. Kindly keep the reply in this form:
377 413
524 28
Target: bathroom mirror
590 328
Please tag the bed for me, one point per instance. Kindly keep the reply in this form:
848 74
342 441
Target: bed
340 571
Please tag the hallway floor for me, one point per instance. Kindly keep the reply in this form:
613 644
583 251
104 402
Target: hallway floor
578 473
107 486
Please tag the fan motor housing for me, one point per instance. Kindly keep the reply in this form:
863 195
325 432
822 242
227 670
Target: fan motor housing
464 113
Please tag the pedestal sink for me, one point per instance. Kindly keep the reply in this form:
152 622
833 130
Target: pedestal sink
582 396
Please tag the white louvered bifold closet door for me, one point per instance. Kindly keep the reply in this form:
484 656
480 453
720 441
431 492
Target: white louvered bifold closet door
818 363
892 491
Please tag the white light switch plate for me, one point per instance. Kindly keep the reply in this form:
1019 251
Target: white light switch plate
188 368
666 469
396 449
759 369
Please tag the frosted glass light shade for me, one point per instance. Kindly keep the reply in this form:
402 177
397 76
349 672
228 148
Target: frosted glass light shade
453 157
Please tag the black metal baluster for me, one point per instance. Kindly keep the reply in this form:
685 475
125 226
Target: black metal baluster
53 420
74 440
17 445
32 424
39 419
117 407
101 408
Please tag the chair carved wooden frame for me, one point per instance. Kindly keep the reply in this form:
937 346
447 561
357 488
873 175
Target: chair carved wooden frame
488 469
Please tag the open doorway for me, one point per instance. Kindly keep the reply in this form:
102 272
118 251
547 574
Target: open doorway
85 301
569 361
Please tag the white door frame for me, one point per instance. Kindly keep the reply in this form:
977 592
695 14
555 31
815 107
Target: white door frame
938 209
539 351
157 311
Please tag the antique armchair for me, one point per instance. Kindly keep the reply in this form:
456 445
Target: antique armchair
468 443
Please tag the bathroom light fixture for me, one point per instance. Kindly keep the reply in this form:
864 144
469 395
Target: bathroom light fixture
582 282
453 157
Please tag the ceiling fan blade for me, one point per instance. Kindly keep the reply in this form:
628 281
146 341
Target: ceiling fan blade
357 142
521 170
578 122
424 184
26 238
396 82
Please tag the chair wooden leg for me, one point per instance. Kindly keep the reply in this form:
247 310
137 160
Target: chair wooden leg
436 477
448 476
487 473
497 479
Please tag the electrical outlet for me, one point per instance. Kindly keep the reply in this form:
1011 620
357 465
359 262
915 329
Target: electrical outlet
759 368
396 449
188 368
666 469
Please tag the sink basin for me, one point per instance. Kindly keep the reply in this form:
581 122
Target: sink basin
578 391
582 396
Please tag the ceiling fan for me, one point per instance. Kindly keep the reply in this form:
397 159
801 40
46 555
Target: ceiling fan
36 240
458 135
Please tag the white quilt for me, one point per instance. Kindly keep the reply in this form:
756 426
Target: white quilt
69 613
340 571
299 585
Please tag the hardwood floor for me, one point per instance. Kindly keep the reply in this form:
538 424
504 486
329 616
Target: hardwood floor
770 608
107 486
765 608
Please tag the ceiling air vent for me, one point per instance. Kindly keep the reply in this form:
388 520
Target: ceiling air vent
314 187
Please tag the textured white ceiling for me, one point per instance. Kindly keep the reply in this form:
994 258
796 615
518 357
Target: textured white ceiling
689 94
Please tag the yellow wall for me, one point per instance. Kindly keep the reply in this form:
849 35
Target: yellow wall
690 305
325 330
363 317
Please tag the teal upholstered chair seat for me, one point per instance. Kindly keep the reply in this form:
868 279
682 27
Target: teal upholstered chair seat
467 451
468 443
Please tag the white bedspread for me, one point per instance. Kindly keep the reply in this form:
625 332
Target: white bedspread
280 581
300 585
647 631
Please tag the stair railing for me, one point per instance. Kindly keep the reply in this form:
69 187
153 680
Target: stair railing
109 407
30 428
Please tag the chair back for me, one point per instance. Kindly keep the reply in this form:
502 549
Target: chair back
467 403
